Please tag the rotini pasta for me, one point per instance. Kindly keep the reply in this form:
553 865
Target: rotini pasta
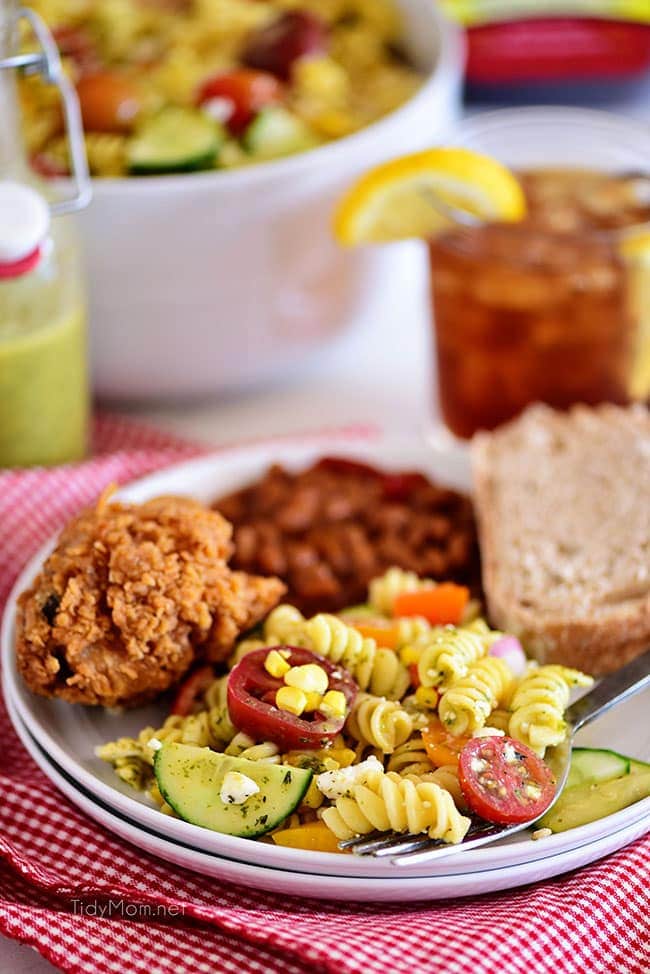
465 707
383 591
538 705
221 726
446 777
447 655
410 758
243 746
411 629
193 729
388 802
379 722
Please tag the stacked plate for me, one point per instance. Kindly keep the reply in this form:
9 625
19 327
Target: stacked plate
62 739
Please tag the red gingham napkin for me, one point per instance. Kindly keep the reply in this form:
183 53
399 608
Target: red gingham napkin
58 869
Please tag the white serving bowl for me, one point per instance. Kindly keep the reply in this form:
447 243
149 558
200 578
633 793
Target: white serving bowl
203 283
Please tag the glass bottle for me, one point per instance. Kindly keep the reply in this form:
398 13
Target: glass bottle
44 398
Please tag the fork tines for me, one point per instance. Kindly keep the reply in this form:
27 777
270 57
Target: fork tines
405 847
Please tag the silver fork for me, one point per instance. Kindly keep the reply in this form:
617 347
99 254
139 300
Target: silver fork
410 849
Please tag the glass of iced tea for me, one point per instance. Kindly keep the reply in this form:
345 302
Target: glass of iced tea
555 308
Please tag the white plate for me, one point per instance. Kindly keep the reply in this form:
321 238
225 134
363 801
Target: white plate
68 734
398 888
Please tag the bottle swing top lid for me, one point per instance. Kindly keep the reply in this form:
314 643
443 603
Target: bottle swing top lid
24 225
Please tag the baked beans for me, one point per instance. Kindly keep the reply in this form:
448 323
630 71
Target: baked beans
332 528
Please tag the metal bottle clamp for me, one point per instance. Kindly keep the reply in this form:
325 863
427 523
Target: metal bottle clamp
47 63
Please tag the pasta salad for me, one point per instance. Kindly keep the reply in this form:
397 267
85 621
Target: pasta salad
168 86
408 713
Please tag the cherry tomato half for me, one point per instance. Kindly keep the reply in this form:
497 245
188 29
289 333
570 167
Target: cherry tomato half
295 34
504 781
251 695
245 91
192 687
109 102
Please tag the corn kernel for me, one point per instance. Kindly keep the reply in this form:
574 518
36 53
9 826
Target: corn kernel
276 665
313 700
409 655
291 699
333 704
310 678
427 697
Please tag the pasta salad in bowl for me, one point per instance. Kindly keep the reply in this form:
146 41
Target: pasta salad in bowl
166 94
169 88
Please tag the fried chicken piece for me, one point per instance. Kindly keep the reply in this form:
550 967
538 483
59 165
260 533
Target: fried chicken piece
130 597
244 601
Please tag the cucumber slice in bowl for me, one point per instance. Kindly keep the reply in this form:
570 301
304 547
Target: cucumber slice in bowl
277 132
593 765
175 140
191 779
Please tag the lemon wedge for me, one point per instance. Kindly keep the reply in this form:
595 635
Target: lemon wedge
407 197
635 250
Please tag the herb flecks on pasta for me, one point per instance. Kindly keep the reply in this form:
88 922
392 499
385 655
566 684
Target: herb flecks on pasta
389 802
538 705
467 704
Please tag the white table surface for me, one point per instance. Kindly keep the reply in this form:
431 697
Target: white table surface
379 373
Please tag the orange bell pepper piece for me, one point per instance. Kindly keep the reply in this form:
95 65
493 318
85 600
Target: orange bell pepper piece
442 605
386 636
441 746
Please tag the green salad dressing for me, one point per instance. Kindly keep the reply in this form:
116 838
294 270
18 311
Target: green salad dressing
43 375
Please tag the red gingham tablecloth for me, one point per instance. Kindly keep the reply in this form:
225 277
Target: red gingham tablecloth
59 870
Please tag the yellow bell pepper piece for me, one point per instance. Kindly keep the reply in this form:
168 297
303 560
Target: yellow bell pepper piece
313 836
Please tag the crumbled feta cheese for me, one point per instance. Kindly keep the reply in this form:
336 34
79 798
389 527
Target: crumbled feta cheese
478 765
509 753
237 788
533 791
154 744
336 784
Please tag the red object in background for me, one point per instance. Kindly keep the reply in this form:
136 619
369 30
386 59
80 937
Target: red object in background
16 268
553 49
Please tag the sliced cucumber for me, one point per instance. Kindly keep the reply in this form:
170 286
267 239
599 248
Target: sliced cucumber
175 140
592 765
588 802
277 132
190 780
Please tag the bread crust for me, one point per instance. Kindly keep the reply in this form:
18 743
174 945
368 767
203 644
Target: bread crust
596 645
